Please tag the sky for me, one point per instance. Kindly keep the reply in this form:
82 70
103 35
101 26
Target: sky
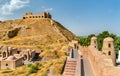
82 17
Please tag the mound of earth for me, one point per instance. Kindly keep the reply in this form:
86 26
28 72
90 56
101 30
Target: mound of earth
34 33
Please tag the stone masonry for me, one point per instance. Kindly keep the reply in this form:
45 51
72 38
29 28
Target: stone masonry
37 16
102 62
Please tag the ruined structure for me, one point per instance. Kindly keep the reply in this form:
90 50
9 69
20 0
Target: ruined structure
11 58
42 15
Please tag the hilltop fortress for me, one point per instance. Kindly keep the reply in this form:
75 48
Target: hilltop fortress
41 15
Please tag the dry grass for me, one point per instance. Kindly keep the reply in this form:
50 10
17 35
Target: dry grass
37 34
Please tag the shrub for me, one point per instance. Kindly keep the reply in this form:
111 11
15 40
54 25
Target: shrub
32 70
29 65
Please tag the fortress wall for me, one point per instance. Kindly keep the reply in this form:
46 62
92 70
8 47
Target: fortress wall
83 50
111 71
101 65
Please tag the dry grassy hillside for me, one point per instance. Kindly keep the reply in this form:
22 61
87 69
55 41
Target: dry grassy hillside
33 33
45 34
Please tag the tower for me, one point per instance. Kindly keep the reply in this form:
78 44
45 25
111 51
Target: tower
108 48
94 42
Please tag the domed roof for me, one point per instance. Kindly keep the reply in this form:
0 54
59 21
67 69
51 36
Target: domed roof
11 58
108 39
94 37
17 55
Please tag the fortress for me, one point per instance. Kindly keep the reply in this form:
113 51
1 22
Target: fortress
103 63
41 15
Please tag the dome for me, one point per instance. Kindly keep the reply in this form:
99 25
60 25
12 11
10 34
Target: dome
17 55
108 39
28 49
11 58
94 38
9 48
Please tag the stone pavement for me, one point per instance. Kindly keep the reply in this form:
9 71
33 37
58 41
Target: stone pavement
86 69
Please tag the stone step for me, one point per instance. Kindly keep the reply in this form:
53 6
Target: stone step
69 74
71 62
70 65
70 68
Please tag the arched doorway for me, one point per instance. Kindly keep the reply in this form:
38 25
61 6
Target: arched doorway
4 54
23 17
0 54
25 57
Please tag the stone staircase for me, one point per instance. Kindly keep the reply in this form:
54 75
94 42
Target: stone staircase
70 68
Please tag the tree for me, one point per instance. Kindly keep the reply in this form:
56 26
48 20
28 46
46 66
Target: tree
85 41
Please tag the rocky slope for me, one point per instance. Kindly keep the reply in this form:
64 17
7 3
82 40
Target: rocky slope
34 33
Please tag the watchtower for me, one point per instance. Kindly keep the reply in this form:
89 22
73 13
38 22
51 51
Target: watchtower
108 48
94 42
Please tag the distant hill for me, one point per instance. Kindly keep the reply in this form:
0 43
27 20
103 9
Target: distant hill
33 33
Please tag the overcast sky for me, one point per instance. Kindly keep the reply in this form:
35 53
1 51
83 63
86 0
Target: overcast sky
82 17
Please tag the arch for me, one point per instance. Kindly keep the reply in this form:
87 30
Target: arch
109 53
6 66
0 54
94 42
18 52
4 54
23 17
10 52
25 57
109 45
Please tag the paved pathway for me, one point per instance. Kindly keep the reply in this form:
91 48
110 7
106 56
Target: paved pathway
86 69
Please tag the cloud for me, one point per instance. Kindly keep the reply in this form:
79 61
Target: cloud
49 9
9 7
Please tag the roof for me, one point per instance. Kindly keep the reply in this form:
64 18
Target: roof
108 39
17 55
11 58
94 38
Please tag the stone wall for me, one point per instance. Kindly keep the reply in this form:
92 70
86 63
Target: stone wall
41 15
101 64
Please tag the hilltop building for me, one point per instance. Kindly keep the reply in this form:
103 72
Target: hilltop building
41 15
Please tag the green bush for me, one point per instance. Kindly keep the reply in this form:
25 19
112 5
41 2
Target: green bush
29 65
32 70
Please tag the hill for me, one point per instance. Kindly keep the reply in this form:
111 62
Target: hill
34 33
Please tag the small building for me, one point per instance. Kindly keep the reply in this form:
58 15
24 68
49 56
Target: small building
11 62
